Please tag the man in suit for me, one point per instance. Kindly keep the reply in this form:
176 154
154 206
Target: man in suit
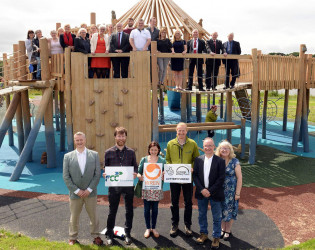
195 46
81 173
209 175
120 44
214 46
231 47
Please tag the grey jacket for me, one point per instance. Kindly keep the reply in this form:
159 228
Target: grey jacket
72 174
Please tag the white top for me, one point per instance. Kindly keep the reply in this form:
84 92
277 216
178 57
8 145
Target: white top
82 163
29 49
140 38
55 47
206 170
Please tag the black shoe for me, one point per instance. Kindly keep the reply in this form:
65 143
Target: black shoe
188 89
208 89
227 235
174 231
222 234
201 89
188 231
109 241
128 239
225 87
232 87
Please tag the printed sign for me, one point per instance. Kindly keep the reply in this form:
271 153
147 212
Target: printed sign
119 176
177 173
152 173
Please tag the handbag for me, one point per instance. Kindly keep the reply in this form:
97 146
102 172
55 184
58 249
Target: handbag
138 189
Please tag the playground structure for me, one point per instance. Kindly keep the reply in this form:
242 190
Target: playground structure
97 106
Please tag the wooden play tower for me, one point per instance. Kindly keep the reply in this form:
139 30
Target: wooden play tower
97 106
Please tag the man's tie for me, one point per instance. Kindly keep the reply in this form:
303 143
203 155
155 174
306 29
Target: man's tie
215 46
118 40
195 46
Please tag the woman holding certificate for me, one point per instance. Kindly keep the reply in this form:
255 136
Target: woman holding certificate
150 172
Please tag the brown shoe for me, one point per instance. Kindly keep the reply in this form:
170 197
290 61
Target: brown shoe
155 233
98 241
72 242
215 243
147 233
202 238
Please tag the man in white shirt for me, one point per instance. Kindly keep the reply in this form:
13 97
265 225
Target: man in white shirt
140 38
209 175
81 174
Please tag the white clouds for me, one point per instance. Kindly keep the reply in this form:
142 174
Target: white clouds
269 25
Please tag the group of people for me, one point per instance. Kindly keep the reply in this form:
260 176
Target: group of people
216 174
102 39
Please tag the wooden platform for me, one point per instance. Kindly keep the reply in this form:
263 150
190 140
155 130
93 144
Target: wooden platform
238 86
12 90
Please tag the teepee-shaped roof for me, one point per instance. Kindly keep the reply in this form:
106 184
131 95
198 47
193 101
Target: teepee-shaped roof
168 14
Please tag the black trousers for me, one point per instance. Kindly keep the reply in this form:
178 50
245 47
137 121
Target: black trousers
175 194
212 71
120 64
114 194
195 63
231 67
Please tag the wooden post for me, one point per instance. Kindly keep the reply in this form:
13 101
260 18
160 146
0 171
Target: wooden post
55 95
229 114
243 128
213 99
93 18
304 126
62 122
48 117
264 121
183 107
254 109
221 105
58 25
198 107
7 97
208 102
285 110
299 107
32 136
155 79
68 99
7 120
189 107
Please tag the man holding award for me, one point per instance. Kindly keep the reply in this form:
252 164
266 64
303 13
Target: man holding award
181 150
120 156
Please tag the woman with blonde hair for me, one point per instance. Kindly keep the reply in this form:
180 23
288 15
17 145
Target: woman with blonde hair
54 44
232 187
60 31
177 64
67 38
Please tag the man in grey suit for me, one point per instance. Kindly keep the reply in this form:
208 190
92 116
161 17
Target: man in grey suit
81 173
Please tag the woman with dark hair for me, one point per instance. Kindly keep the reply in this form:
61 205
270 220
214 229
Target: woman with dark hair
164 45
151 198
29 51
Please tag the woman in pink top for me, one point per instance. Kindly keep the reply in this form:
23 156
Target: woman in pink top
54 45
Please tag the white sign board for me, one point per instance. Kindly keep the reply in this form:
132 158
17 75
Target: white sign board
152 173
119 176
177 173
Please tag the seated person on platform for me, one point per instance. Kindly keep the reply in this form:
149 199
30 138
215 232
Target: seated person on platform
164 45
211 117
140 38
53 44
99 44
67 38
119 43
82 43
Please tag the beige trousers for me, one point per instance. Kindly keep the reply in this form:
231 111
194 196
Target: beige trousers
76 206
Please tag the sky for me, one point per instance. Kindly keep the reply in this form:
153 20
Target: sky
269 25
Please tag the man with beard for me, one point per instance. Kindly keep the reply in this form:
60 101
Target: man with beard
117 156
130 26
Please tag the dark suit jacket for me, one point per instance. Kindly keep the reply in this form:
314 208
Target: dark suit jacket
62 40
236 50
218 49
124 45
216 177
79 45
201 47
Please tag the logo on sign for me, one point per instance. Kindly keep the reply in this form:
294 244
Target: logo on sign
152 171
182 171
114 177
170 171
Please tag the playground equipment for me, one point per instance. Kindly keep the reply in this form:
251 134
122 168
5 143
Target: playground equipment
97 106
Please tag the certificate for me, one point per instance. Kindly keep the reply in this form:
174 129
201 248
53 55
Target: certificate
119 176
152 173
177 173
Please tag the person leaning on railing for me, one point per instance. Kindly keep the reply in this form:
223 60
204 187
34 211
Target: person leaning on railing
67 38
29 52
99 44
82 43
36 52
53 44
140 38
164 45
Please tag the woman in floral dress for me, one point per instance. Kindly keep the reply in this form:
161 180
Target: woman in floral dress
232 187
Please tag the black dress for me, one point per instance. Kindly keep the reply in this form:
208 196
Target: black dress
178 63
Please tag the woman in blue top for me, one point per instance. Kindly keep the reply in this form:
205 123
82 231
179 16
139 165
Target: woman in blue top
151 198
232 187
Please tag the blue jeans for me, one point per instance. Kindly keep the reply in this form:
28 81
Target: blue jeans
216 216
148 205
38 73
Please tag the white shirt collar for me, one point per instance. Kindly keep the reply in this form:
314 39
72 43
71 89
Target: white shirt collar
84 151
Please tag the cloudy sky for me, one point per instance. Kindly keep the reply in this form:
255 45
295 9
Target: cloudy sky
269 25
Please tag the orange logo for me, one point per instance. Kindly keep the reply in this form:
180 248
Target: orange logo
153 171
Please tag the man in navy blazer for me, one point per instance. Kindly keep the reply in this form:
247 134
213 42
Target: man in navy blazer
208 176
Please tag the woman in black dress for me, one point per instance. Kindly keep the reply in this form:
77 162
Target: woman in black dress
164 45
179 46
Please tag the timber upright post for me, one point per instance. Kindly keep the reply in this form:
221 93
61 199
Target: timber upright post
7 97
285 110
254 109
299 107
264 121
48 117
68 99
198 107
24 95
93 18
155 118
